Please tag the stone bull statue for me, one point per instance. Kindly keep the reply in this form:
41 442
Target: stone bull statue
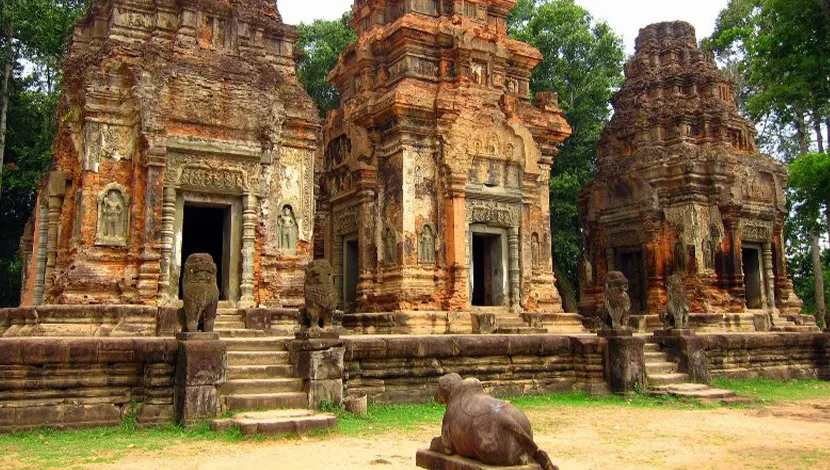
201 295
479 427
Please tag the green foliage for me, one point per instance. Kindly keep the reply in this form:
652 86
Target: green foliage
321 43
582 62
765 390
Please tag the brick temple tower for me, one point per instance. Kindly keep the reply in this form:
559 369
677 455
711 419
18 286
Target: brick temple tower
184 129
433 186
682 189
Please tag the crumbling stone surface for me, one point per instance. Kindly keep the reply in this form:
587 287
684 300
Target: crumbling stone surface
617 301
201 296
436 140
483 428
676 313
320 311
168 104
682 189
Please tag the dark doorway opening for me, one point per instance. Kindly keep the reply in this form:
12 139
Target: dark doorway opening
350 272
488 270
631 265
752 277
204 230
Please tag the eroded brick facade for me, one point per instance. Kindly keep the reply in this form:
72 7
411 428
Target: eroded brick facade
682 189
438 162
182 123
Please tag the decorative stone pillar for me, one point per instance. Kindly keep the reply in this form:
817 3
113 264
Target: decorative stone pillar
200 370
319 362
168 217
149 270
769 277
456 244
626 364
40 268
248 247
365 252
57 189
515 269
609 260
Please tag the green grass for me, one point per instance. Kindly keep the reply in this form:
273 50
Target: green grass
765 390
75 449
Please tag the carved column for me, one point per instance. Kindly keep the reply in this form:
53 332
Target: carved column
337 263
149 269
248 247
515 269
609 260
57 189
168 217
40 269
366 252
769 277
456 244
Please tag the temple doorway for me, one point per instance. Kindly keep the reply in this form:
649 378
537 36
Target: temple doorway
630 263
350 271
488 270
205 230
752 277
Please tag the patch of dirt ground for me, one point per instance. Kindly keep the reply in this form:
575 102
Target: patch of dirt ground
784 436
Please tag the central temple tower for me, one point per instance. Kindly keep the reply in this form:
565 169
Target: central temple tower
433 184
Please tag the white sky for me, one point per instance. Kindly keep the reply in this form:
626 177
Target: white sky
626 17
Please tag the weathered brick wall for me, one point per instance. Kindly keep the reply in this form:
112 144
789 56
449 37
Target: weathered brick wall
74 383
777 356
406 369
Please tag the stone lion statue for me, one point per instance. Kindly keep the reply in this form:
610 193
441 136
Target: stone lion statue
320 309
676 313
617 302
201 295
480 427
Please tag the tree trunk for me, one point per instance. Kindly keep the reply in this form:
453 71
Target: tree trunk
817 127
827 131
4 99
800 128
815 251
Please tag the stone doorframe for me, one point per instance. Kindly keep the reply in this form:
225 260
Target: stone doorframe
507 287
764 250
484 216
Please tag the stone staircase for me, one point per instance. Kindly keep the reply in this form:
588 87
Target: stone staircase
796 324
515 325
664 379
230 323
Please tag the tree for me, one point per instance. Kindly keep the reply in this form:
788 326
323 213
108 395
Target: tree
582 62
321 43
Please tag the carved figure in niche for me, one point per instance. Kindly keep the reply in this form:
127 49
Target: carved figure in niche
536 250
201 295
617 301
320 298
390 245
288 229
676 313
679 254
708 255
478 73
112 217
480 427
426 245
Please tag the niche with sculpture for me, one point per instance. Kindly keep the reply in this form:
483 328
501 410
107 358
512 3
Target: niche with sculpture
426 245
113 216
288 230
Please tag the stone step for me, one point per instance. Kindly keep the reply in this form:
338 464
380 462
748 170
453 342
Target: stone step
228 325
520 330
239 333
684 387
656 357
260 386
276 422
651 347
667 379
797 329
702 392
266 343
259 372
266 401
653 368
257 358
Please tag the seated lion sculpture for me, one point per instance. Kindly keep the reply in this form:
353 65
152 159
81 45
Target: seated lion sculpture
676 313
201 295
320 309
480 427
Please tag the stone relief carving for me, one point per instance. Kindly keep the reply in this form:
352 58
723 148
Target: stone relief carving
535 250
493 213
211 174
426 244
679 255
756 231
287 230
623 237
478 73
346 221
298 187
390 246
113 216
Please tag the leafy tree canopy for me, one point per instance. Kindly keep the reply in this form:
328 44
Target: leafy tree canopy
321 43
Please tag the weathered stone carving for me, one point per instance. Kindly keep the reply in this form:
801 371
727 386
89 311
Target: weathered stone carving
201 294
617 302
288 230
113 216
535 250
676 313
390 246
426 245
346 221
483 428
320 310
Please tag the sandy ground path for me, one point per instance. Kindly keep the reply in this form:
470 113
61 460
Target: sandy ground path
785 436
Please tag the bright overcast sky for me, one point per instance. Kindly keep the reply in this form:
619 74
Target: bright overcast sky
625 16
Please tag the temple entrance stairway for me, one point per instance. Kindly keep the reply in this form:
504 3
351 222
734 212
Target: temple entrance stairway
664 379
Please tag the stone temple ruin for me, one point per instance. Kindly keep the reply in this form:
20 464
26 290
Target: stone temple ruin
433 182
423 200
682 189
186 131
